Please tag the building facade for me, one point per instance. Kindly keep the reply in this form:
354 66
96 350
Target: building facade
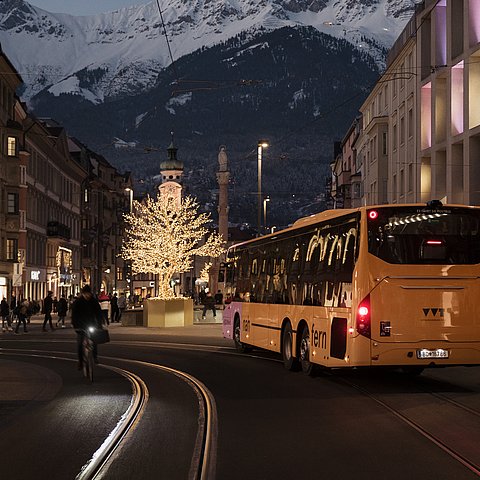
449 85
44 176
13 187
106 196
420 136
53 180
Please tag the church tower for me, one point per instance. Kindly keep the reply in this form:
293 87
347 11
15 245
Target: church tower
171 171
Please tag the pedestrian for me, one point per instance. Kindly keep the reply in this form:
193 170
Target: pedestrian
22 315
114 310
219 298
208 304
86 312
13 308
104 301
47 310
71 299
5 313
62 309
13 302
29 310
122 304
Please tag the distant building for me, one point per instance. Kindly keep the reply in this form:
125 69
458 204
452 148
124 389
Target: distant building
171 171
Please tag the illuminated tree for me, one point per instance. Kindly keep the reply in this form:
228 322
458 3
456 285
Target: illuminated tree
164 235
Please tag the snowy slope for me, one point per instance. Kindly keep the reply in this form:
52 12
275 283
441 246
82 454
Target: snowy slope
121 52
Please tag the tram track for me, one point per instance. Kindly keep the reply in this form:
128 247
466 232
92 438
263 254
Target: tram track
127 423
462 457
203 463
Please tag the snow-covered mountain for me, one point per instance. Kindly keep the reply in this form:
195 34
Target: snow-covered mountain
120 53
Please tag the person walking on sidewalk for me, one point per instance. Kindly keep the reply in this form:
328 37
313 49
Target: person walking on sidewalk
122 305
62 309
86 312
5 313
104 301
47 310
208 304
114 310
22 315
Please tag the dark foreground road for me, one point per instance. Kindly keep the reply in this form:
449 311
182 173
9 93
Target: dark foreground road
269 423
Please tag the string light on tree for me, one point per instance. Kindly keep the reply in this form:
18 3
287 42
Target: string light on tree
205 273
164 235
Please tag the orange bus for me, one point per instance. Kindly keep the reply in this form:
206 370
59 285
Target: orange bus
387 285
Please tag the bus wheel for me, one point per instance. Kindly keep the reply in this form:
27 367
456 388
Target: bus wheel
289 361
307 366
240 346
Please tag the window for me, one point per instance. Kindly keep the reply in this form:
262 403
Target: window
384 143
12 249
403 235
402 131
11 146
395 137
119 273
12 203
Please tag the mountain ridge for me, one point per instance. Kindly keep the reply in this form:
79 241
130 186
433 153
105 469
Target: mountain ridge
129 47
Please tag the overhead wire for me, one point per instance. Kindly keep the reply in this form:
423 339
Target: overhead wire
174 66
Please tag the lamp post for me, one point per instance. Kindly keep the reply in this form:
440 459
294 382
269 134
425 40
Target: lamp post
130 192
265 200
129 280
261 145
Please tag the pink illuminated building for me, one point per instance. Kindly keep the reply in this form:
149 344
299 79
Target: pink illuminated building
420 135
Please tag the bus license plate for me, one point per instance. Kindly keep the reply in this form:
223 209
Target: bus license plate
437 353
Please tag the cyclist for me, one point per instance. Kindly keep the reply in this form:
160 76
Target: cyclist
86 313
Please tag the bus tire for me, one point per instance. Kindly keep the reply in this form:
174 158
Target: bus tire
307 365
289 361
240 346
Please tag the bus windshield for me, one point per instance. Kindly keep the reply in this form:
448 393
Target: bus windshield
416 235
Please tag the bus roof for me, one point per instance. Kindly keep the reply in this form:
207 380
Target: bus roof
340 212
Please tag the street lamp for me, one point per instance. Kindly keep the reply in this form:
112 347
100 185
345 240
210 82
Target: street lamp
265 200
130 191
129 280
261 145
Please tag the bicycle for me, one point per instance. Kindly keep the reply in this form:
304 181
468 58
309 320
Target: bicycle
87 353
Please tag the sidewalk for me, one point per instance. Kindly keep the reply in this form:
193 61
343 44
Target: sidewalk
209 330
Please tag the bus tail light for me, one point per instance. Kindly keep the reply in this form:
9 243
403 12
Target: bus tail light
363 317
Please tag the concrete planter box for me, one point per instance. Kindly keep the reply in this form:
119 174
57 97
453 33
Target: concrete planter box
176 312
132 318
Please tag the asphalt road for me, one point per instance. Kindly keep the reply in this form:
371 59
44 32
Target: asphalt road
270 423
